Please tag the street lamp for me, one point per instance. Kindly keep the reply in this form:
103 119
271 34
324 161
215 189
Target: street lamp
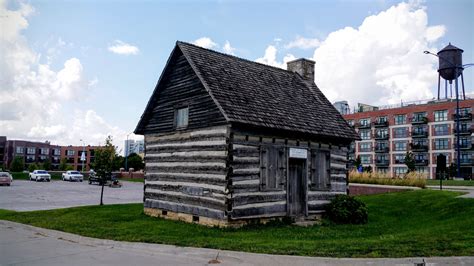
456 55
83 155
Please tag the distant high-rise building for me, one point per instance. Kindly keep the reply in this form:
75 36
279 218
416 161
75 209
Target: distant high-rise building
342 107
134 146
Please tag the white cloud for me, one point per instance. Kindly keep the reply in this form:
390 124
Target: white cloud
123 48
270 58
38 102
303 43
205 42
228 49
382 61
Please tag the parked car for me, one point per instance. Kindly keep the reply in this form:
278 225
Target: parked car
72 176
40 175
6 178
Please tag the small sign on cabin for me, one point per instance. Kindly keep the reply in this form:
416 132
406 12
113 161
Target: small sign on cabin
298 153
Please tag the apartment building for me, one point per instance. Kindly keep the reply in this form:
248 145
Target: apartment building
427 129
134 146
38 152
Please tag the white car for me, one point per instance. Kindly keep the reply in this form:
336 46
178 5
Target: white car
73 176
40 175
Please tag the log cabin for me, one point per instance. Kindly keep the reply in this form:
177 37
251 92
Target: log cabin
229 141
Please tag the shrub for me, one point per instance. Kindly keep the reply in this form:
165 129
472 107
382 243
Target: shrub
32 167
17 165
347 210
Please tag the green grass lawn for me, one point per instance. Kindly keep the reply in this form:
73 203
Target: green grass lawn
416 223
431 182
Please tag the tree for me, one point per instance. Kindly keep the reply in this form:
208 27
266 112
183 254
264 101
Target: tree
135 162
410 162
17 165
32 167
118 162
46 164
357 162
63 164
452 170
104 163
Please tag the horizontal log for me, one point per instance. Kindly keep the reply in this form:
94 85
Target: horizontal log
259 210
236 178
185 208
202 177
215 164
338 186
190 169
198 143
187 154
189 184
186 189
187 199
257 197
156 150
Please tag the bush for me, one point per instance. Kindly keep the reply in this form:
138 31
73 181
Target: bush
32 167
18 164
347 210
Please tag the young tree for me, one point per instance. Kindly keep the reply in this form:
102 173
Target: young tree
46 164
357 162
17 165
63 164
104 163
410 162
118 162
32 167
452 170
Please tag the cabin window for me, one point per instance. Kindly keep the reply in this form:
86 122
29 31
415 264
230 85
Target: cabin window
272 168
320 170
182 117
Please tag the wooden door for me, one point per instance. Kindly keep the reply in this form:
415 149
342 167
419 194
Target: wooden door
296 185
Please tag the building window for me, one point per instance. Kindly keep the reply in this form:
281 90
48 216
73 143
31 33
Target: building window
401 132
365 147
56 152
441 144
464 111
44 151
30 158
399 158
364 122
42 158
350 122
400 119
441 115
465 142
419 117
182 117
364 134
382 119
70 152
441 130
320 174
400 145
366 159
381 133
31 150
20 150
400 170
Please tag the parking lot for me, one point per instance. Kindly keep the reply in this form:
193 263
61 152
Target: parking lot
28 195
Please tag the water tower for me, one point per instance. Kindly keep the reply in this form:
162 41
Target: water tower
450 68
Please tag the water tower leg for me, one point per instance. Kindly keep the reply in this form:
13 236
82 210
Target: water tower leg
446 89
462 83
439 80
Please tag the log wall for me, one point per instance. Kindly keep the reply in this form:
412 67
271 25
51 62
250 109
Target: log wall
186 172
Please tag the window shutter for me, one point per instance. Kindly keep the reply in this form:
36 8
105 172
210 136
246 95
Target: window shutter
281 171
313 168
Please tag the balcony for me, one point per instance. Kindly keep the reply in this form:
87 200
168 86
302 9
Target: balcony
363 125
463 131
382 149
365 149
419 120
381 136
421 162
419 134
466 162
382 163
464 146
463 116
381 124
419 147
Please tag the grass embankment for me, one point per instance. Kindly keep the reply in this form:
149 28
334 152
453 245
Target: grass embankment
432 182
412 179
415 223
25 176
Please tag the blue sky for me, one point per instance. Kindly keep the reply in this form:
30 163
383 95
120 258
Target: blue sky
104 92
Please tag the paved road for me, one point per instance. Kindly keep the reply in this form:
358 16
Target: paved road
29 195
27 245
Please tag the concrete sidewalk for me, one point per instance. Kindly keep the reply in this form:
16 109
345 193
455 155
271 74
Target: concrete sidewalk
467 189
26 245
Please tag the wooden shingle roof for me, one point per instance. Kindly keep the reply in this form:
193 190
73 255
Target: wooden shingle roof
259 95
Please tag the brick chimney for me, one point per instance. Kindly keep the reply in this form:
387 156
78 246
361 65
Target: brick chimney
302 66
